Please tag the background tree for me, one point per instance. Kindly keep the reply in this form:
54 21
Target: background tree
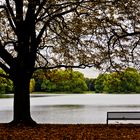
126 81
6 85
61 80
131 80
32 85
90 82
99 83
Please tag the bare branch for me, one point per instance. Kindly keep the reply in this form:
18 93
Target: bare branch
10 15
5 55
82 66
4 67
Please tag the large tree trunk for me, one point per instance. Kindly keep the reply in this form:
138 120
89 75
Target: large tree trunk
22 100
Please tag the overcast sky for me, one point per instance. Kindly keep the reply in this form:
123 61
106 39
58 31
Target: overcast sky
89 72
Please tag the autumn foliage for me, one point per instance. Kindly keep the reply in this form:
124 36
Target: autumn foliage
70 132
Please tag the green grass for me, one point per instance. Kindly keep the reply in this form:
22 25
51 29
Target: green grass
5 96
57 92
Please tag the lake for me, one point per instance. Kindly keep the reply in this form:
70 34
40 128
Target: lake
73 108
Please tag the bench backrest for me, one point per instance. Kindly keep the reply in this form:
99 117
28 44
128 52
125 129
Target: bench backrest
123 116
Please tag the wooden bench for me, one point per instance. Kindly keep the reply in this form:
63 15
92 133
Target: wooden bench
122 116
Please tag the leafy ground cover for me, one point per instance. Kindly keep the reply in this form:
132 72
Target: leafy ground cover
70 132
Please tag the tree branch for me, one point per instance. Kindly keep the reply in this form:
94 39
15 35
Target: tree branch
4 67
82 66
10 15
5 55
53 16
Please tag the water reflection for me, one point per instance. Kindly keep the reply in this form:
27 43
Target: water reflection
75 114
73 109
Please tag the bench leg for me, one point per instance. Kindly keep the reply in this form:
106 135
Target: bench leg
107 121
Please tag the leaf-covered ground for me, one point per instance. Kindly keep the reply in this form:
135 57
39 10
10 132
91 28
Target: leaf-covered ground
70 132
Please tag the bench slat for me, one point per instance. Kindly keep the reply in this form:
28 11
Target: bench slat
123 116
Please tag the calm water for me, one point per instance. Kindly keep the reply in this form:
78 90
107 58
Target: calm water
74 109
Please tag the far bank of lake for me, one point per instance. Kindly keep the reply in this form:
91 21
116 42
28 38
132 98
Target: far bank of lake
73 108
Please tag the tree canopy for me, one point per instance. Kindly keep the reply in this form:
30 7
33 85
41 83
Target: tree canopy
60 80
127 81
70 33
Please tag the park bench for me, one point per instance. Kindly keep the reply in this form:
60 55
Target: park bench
123 116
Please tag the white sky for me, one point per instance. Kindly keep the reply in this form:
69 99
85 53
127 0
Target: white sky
89 72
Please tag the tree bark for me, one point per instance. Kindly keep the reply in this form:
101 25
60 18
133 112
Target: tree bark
22 100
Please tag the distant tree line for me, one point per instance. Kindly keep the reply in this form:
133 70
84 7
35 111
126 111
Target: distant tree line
60 80
126 81
6 85
51 81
